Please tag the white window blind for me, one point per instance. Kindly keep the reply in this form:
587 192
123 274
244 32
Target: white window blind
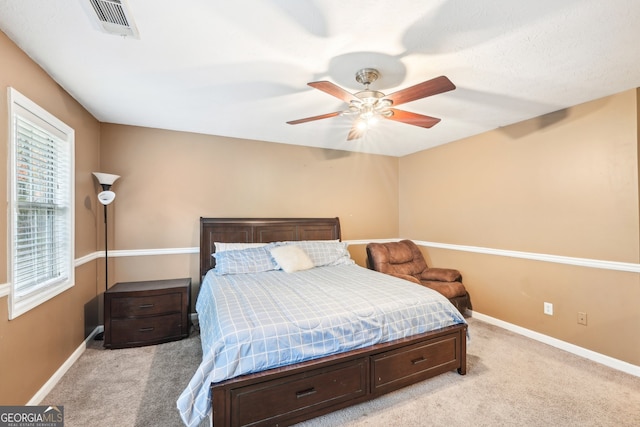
41 177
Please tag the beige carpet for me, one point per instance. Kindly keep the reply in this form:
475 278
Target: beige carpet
127 387
511 381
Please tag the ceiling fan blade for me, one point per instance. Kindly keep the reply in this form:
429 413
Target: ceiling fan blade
334 90
412 118
421 90
310 119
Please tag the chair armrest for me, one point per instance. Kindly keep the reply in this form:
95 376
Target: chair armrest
406 277
441 275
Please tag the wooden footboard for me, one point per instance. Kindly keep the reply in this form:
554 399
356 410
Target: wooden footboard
295 393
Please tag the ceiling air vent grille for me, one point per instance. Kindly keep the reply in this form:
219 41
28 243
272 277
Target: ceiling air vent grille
114 17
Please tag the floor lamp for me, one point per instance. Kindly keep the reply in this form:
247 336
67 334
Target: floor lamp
105 197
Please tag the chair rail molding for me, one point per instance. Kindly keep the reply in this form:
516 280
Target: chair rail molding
558 259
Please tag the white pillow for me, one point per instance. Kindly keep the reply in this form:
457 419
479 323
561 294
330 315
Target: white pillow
291 258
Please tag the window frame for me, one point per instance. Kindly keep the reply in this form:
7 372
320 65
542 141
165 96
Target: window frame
27 110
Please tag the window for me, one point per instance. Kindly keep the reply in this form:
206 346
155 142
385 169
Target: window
41 205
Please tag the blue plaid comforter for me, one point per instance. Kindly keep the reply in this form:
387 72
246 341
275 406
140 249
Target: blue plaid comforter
253 322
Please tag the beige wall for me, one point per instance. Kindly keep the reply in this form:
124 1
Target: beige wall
34 345
171 179
563 184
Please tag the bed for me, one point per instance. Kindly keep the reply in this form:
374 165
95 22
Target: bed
342 360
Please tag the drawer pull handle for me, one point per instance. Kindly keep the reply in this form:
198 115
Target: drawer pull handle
149 329
145 305
419 360
306 392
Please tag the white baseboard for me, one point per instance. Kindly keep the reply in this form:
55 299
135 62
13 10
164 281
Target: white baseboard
49 385
563 345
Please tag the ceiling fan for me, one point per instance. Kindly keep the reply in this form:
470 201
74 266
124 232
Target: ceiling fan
370 105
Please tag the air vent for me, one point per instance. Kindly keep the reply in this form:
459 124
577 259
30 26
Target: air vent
114 17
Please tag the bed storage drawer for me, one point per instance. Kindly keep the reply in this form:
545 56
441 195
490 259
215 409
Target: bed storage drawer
407 365
282 399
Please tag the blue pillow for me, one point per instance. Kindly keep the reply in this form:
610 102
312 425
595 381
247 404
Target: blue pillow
251 260
324 252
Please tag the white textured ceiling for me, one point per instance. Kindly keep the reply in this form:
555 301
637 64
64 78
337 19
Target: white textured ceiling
239 68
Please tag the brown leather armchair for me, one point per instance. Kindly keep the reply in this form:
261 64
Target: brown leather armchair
403 259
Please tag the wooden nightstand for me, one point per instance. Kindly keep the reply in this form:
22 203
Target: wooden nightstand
145 313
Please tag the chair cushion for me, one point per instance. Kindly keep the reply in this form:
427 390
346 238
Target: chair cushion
402 257
399 253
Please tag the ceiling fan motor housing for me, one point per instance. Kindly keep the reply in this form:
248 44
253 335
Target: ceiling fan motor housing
369 101
366 76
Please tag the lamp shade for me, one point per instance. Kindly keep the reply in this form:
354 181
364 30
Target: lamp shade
106 178
106 197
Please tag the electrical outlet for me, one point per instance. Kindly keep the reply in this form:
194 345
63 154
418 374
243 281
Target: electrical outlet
548 308
582 318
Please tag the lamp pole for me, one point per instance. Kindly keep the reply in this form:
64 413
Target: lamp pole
100 336
106 252
105 197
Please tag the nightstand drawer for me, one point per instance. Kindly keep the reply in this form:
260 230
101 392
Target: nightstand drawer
146 329
134 306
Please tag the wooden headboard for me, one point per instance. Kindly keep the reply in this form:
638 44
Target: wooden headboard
261 230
